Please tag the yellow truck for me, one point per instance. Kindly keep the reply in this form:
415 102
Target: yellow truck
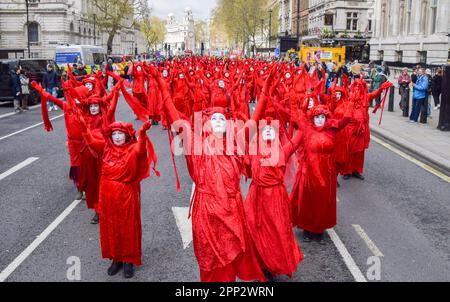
324 54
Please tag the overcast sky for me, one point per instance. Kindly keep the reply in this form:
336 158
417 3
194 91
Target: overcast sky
200 8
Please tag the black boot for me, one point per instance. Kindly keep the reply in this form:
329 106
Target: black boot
79 196
95 219
306 236
128 270
114 268
347 176
321 239
268 276
358 175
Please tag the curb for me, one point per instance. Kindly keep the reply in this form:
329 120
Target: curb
436 161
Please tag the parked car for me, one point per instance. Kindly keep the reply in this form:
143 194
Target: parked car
36 68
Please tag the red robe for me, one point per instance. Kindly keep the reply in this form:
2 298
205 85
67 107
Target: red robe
313 196
123 168
268 211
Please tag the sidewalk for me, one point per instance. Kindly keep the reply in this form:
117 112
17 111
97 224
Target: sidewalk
422 140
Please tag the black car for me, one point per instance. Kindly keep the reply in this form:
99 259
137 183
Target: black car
35 68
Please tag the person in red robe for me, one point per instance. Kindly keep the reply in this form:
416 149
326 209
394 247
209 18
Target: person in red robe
125 163
222 244
98 113
268 206
359 129
313 196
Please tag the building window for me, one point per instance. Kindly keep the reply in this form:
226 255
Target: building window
422 57
352 21
434 6
370 26
424 19
399 56
381 55
72 28
33 32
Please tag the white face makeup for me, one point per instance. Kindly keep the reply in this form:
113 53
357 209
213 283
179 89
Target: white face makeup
288 75
221 84
94 109
338 95
89 86
310 103
218 123
319 120
139 68
181 76
227 75
118 138
268 133
164 73
208 75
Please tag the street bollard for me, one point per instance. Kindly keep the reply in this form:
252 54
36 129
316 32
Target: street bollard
391 99
406 104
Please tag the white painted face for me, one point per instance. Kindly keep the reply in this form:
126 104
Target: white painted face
221 84
227 74
208 75
268 133
310 103
319 120
139 68
288 75
262 72
89 86
338 95
118 138
165 73
94 109
218 123
181 76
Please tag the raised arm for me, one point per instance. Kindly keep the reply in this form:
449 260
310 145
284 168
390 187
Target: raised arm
378 92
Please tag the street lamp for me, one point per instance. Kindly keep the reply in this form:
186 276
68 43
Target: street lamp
28 30
270 26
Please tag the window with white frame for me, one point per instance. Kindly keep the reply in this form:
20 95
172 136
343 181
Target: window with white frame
352 21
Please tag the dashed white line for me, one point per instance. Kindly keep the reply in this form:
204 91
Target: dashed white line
351 265
39 239
370 244
18 167
28 128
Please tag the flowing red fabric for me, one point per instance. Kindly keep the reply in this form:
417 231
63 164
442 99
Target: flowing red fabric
268 212
123 168
141 112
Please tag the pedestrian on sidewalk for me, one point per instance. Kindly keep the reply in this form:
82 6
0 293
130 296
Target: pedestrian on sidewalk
436 88
419 94
425 111
15 83
378 80
50 84
403 86
25 87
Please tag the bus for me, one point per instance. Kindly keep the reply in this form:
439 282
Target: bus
88 55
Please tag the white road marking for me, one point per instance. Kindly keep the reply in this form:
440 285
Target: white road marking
351 265
18 167
412 159
39 239
370 244
28 128
184 224
13 113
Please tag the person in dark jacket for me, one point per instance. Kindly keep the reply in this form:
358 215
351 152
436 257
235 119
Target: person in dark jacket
50 84
436 88
15 84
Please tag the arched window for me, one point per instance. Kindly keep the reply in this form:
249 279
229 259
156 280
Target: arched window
33 32
424 19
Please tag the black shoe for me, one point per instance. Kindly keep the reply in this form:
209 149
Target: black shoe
358 175
95 219
114 268
346 176
79 196
321 239
269 276
306 236
128 270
